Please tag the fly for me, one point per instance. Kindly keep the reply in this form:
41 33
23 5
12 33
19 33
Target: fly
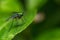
15 16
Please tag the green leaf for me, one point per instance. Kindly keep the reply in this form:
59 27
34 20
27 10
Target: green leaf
9 30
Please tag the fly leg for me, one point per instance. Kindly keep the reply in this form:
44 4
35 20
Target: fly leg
17 22
12 24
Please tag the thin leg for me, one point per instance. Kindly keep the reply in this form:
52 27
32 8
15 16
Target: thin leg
11 25
23 20
17 22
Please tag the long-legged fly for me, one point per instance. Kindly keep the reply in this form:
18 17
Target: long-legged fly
15 16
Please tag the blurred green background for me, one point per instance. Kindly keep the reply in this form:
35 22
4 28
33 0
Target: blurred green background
46 25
